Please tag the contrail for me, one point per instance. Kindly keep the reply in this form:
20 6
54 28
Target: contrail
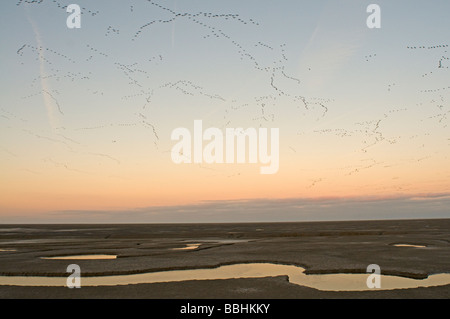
49 105
173 27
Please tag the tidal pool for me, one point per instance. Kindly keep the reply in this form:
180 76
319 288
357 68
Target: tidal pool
83 257
327 282
222 241
409 245
188 247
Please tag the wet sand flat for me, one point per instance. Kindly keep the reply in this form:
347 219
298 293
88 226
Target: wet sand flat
408 248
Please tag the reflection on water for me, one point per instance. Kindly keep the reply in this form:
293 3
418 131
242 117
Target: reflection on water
409 245
188 247
36 241
16 230
222 241
330 282
83 257
7 250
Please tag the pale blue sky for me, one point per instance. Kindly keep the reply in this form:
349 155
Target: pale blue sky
112 91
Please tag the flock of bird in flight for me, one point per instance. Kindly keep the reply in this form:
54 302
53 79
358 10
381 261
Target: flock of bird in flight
136 74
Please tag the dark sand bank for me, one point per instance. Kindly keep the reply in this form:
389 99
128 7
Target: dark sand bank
324 247
248 288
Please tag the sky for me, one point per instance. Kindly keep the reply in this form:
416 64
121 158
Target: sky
86 114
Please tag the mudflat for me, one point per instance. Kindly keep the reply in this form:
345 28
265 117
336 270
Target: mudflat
408 248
